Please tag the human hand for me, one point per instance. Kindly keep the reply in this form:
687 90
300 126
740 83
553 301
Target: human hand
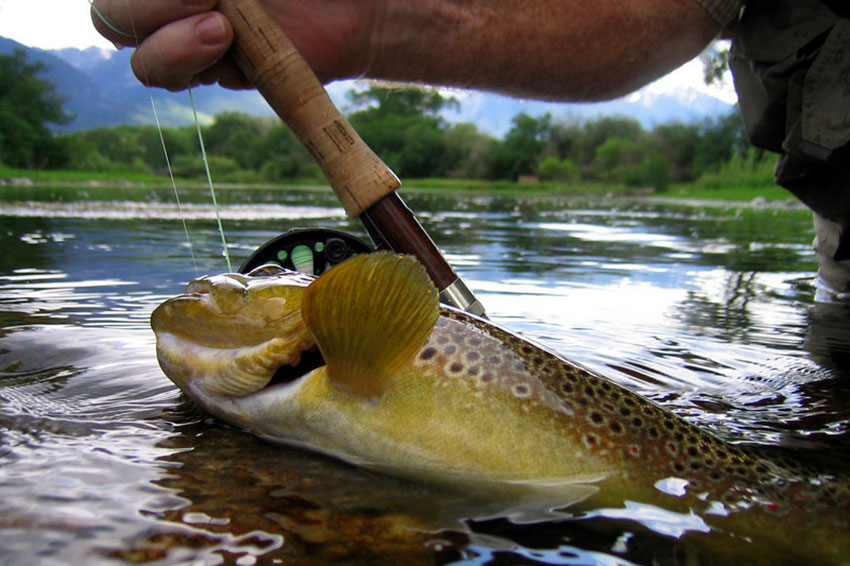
182 43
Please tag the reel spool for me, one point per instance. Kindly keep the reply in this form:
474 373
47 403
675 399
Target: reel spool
308 250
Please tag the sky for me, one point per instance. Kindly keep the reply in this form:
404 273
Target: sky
55 24
49 24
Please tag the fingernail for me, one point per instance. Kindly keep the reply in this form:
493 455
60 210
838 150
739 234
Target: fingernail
210 30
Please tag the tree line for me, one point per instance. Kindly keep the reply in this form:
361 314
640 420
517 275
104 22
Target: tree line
403 126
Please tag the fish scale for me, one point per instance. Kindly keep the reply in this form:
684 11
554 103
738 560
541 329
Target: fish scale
622 425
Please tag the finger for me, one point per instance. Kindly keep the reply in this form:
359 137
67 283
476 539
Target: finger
175 55
127 22
226 74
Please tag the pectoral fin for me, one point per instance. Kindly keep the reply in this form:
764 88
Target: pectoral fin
370 315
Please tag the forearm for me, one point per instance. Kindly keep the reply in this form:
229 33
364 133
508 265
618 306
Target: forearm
557 49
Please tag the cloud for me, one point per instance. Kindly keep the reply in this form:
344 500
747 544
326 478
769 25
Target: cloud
49 24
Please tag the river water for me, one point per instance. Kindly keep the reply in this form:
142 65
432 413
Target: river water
707 310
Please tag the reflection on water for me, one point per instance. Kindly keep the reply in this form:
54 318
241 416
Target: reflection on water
708 311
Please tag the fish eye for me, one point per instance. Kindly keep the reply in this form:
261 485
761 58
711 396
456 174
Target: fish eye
267 270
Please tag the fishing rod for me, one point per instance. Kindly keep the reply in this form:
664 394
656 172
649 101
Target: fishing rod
363 183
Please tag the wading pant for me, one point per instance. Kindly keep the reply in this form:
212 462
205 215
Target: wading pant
833 275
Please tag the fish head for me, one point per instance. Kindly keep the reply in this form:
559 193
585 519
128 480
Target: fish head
233 339
228 335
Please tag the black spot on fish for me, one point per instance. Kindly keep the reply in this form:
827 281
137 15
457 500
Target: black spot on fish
456 367
451 349
428 353
472 356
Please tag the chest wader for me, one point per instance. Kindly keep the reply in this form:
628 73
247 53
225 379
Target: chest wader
790 60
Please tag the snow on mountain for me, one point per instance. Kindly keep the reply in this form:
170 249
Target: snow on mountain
84 59
681 96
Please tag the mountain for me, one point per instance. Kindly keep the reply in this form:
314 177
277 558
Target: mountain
493 113
100 90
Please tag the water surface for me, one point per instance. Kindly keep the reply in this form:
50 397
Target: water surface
709 311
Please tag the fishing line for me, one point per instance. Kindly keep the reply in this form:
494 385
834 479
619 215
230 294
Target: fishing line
109 24
135 38
210 181
174 187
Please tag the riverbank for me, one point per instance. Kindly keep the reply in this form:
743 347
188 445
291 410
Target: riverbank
15 182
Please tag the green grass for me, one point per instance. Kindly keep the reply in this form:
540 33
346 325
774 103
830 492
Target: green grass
740 193
67 176
511 187
740 180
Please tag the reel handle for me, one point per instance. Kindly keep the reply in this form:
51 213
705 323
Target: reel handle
275 67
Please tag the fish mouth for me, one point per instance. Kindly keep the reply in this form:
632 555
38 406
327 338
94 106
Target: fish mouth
232 336
311 359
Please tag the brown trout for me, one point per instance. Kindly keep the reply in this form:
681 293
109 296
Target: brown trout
363 364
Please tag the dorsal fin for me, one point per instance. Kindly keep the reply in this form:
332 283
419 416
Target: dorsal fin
369 315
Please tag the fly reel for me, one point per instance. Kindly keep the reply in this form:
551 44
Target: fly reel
308 250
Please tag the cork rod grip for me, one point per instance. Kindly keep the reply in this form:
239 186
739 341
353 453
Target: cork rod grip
270 61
